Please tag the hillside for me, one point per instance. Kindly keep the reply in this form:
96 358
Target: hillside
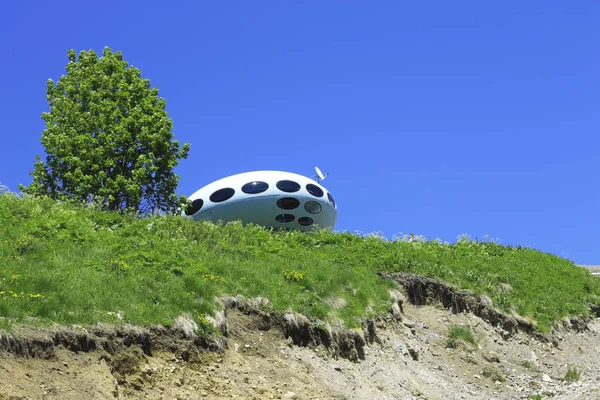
136 293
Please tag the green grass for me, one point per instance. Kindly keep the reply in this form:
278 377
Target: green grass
527 364
457 334
73 264
573 374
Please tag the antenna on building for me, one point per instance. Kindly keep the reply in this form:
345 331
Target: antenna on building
320 176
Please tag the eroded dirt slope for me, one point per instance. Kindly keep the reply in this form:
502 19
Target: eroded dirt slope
405 357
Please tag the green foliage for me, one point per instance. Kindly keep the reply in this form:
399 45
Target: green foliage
108 138
457 334
573 374
69 263
205 328
527 364
536 396
293 276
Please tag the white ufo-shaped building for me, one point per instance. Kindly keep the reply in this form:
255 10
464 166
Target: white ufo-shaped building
269 198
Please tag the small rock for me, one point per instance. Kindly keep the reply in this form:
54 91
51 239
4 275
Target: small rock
402 348
477 376
546 378
290 395
337 367
396 312
414 352
409 324
492 357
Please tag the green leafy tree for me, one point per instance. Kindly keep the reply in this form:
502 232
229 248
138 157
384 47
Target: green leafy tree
108 138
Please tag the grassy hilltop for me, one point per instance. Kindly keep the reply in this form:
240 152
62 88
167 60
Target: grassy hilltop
73 264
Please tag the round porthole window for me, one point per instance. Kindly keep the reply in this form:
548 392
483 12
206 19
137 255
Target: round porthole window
194 207
288 203
312 207
222 195
305 221
288 186
285 218
255 187
314 190
330 197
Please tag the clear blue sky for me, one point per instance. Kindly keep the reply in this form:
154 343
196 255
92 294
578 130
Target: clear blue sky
436 118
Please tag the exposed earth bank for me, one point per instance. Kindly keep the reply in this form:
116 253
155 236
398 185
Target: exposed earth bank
404 355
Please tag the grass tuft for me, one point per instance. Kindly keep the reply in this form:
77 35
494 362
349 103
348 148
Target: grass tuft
573 374
458 334
527 364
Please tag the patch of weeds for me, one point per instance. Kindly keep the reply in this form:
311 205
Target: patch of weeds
573 374
493 373
214 278
527 364
206 328
293 275
320 325
536 396
5 325
458 334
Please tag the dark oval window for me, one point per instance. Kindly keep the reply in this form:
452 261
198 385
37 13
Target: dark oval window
194 207
312 207
222 195
255 187
288 203
305 221
314 190
288 186
330 197
284 218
